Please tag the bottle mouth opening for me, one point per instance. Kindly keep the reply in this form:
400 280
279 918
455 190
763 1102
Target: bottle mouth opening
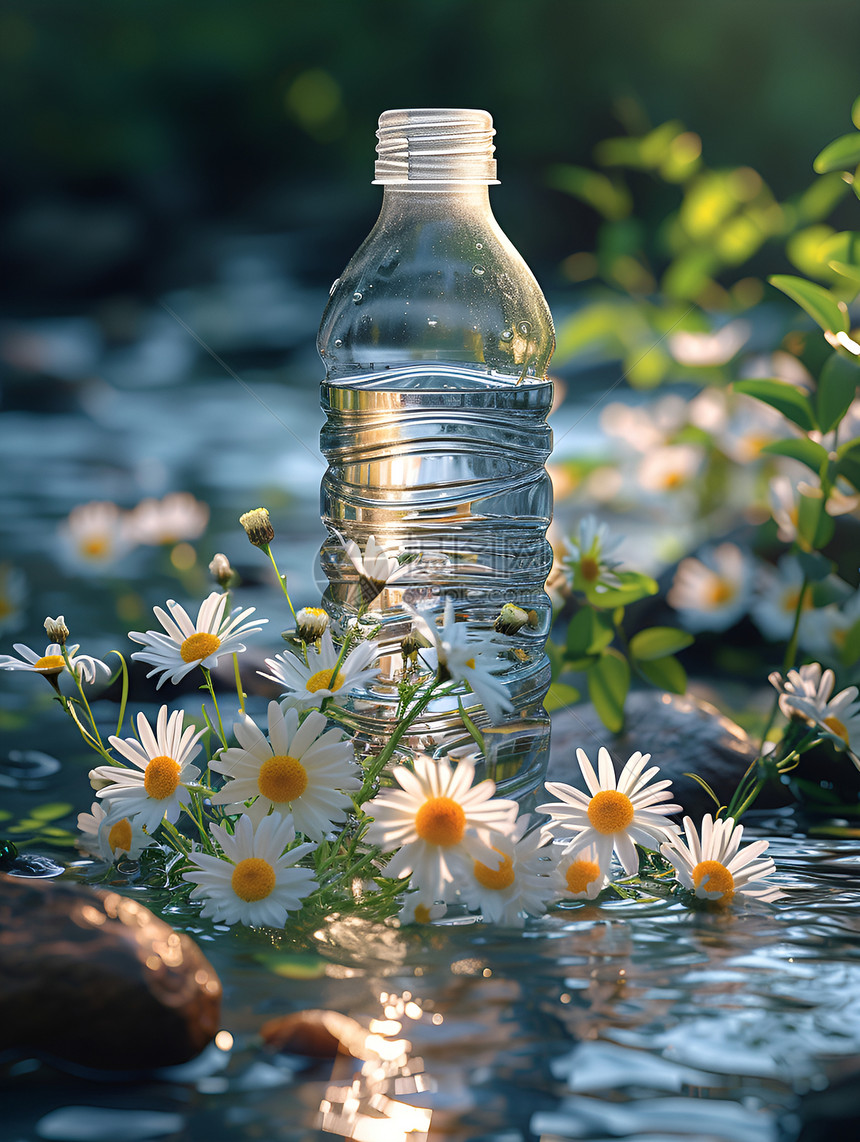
435 145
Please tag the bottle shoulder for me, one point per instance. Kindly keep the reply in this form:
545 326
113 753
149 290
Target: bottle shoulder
437 286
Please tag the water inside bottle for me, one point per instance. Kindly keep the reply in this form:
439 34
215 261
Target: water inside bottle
444 466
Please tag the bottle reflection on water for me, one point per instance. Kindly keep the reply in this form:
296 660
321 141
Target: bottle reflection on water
436 341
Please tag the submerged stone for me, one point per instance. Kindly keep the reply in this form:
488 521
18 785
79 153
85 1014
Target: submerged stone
683 734
96 979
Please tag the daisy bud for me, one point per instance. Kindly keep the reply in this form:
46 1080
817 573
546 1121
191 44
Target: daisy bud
57 630
410 646
221 571
258 526
311 623
513 618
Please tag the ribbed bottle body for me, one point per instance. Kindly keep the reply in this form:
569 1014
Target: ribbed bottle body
436 340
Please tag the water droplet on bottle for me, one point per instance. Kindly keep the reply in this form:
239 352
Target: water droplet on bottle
507 335
338 343
334 286
433 322
479 245
525 327
358 297
479 270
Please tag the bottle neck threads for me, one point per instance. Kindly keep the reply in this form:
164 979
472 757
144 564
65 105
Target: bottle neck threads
430 145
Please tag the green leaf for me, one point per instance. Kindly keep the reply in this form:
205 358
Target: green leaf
840 155
799 448
843 248
814 565
837 387
555 654
819 303
52 811
634 586
786 398
701 781
850 653
657 642
667 673
560 696
579 664
855 113
588 633
814 525
475 734
848 464
608 683
612 199
845 270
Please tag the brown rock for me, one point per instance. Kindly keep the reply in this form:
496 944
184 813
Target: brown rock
96 979
683 734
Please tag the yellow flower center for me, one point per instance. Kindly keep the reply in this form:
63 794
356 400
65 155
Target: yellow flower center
440 821
837 727
95 547
580 874
253 879
498 878
119 836
324 680
718 592
282 778
610 811
590 568
791 598
673 480
50 662
198 646
422 914
716 876
161 778
470 662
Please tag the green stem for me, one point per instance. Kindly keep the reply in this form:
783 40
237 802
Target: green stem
788 659
208 680
385 754
84 701
239 689
282 579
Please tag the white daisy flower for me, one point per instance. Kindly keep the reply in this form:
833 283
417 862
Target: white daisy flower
309 685
418 910
713 867
784 506
580 877
774 604
300 771
157 788
644 428
751 426
612 816
807 692
95 536
521 885
178 516
52 663
376 568
257 883
122 838
187 644
714 348
670 467
587 562
464 659
438 824
711 592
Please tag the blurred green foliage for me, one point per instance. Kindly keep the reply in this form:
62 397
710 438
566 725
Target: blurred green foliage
215 109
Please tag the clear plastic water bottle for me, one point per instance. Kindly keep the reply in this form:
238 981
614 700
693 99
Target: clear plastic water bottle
436 340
